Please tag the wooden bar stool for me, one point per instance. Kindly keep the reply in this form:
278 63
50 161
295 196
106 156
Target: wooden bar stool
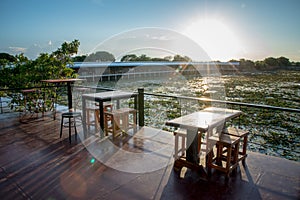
71 116
96 115
130 117
243 135
118 121
181 135
229 155
95 112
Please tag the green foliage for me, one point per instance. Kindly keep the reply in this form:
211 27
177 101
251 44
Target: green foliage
7 57
181 58
79 58
273 62
100 56
25 73
130 57
143 57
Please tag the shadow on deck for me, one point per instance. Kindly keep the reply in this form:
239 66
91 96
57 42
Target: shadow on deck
36 164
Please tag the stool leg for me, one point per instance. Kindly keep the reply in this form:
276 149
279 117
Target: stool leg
75 129
183 146
61 126
70 130
245 149
88 119
209 161
219 154
134 122
106 120
115 125
176 147
97 119
228 161
125 122
236 156
199 141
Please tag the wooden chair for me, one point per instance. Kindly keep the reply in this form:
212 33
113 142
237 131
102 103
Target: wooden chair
229 158
243 135
71 116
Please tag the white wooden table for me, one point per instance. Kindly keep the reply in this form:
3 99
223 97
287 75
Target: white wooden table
102 97
201 121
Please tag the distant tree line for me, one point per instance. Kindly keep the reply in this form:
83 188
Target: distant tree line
143 57
103 56
24 71
267 63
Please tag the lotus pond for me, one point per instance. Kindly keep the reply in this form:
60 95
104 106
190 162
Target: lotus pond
272 132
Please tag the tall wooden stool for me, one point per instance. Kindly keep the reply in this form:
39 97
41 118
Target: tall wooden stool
179 151
117 121
95 112
243 135
181 135
130 117
231 145
70 115
96 115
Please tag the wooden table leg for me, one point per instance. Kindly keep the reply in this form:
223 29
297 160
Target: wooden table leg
192 146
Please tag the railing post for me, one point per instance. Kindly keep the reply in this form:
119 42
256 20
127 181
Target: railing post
1 105
141 106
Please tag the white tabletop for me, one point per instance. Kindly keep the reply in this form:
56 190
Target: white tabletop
202 120
110 95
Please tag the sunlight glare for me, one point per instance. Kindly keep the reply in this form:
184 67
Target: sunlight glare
215 38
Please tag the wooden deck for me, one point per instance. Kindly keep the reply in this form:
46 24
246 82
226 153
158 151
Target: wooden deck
36 164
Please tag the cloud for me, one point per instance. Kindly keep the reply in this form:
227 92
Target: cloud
13 50
17 50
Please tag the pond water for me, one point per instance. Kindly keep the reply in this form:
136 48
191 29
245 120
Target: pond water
272 132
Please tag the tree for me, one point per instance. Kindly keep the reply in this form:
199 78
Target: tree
79 58
179 58
66 50
28 73
25 73
7 57
246 63
130 57
168 58
143 57
270 61
100 56
282 61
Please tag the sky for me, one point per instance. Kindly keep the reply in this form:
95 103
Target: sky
224 30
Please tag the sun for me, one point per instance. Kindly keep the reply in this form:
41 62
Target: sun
217 39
